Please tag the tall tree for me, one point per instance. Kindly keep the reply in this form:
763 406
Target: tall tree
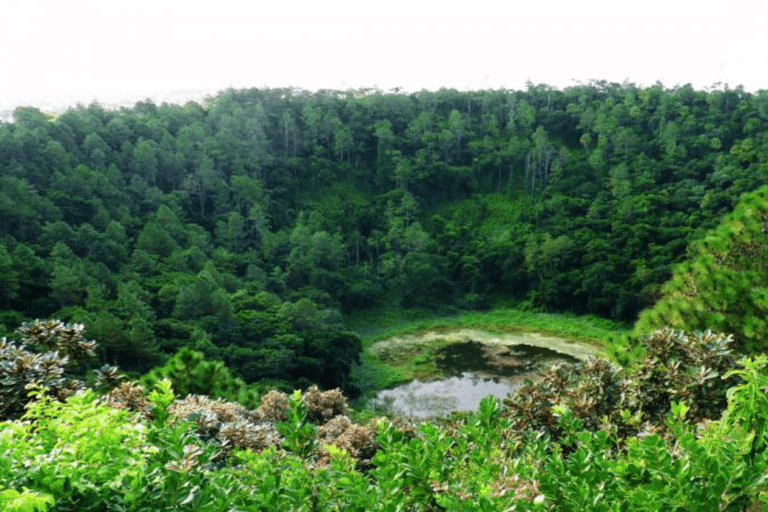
723 287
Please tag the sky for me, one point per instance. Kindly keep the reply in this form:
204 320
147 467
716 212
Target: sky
55 54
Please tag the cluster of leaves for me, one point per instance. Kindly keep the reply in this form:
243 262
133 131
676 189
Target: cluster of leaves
677 367
723 285
58 350
296 342
191 374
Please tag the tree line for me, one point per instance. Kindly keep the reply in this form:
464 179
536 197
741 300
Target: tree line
244 227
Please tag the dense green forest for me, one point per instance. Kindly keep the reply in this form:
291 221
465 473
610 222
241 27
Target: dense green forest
246 227
212 247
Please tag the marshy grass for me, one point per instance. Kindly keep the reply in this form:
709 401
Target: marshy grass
380 325
383 370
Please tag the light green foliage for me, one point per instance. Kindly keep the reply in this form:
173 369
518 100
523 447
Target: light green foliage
748 404
74 451
83 455
161 397
397 322
271 481
25 501
298 432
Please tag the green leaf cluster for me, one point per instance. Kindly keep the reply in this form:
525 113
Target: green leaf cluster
191 374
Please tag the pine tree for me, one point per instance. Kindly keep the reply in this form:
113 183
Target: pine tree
725 286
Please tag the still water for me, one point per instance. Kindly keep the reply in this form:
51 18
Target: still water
471 370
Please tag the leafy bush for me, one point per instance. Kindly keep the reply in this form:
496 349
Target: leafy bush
716 466
60 348
77 451
685 367
190 373
684 429
25 501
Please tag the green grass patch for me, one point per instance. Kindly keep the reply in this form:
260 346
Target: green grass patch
401 364
375 326
372 375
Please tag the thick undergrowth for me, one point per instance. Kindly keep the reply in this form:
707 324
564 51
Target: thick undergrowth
686 428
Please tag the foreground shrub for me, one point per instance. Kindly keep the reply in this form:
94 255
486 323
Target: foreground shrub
685 429
82 455
55 350
229 424
77 451
716 466
689 368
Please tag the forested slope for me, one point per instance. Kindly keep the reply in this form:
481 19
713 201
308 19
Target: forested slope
244 227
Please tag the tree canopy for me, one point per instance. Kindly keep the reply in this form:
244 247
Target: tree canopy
724 286
208 226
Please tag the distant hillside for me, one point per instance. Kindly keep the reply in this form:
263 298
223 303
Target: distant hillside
244 226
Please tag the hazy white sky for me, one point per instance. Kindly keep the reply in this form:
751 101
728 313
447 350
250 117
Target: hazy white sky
56 53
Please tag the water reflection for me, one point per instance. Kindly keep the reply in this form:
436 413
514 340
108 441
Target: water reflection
473 370
441 397
496 360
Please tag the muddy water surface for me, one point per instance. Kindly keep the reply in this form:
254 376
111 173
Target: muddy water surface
473 364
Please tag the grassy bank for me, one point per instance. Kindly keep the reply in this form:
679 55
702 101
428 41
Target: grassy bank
374 326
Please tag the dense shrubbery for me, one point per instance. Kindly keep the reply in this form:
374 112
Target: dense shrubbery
678 367
58 349
84 455
132 450
685 429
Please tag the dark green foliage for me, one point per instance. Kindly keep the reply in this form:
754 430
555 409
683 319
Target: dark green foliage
723 286
290 341
137 220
